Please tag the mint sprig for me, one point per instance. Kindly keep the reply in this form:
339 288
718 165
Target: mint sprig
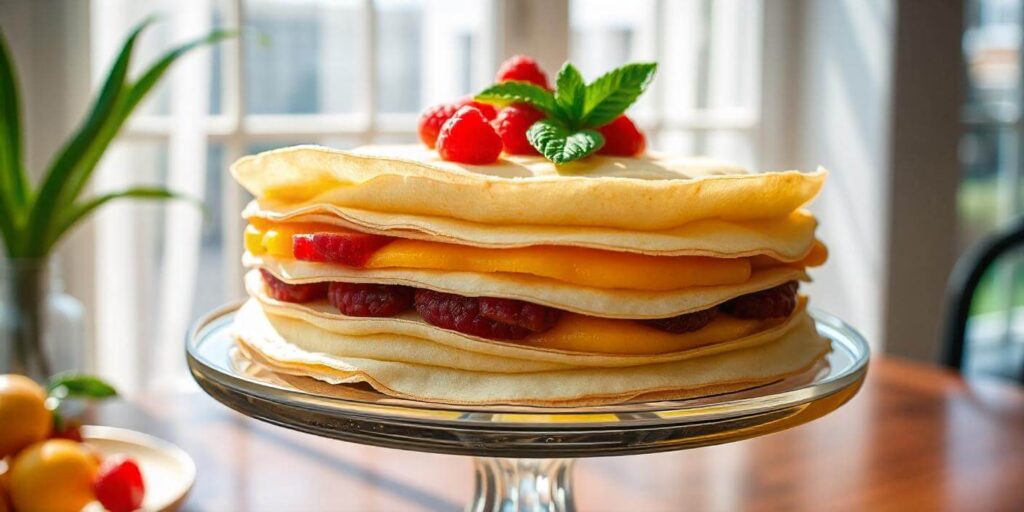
575 109
560 144
520 92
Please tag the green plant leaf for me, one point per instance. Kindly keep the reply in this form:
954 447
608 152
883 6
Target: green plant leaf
613 92
560 144
570 93
133 95
14 188
521 92
79 211
47 203
75 166
75 385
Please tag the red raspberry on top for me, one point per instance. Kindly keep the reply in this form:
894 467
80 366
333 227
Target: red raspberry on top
512 123
431 121
487 110
523 69
622 138
434 117
468 138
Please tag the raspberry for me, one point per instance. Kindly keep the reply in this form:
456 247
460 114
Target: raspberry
688 322
512 123
500 319
486 109
431 121
622 138
771 303
434 117
359 299
283 291
533 317
350 249
522 69
468 138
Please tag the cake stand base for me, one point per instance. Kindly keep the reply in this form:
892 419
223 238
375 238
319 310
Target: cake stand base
523 485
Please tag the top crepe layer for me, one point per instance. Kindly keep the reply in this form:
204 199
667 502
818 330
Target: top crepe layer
655 192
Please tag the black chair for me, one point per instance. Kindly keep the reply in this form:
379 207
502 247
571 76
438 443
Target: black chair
963 283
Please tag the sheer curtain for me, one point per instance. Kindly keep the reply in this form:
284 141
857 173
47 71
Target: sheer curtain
345 73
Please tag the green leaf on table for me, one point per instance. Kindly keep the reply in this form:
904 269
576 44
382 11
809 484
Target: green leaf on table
560 144
612 93
570 92
76 385
521 92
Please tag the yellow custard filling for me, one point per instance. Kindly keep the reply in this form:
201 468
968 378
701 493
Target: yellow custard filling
582 266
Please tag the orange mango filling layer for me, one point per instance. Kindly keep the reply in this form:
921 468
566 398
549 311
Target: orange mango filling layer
582 266
580 333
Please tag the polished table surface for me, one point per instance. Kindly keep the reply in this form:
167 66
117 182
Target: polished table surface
915 438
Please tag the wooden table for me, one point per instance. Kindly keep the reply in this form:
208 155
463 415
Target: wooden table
915 438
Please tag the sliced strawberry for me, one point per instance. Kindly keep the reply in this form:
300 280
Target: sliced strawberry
350 249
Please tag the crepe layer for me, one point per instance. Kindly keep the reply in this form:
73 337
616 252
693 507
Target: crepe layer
448 380
649 193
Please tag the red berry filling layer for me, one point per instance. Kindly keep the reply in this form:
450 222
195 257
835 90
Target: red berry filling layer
505 319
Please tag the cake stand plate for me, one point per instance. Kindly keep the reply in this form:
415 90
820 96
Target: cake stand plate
523 454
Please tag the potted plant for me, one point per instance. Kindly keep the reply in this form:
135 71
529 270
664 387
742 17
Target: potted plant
34 217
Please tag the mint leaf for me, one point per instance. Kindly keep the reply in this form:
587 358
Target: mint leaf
570 92
73 385
521 92
613 92
561 145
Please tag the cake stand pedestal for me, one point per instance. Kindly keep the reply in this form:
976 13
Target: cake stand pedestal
524 455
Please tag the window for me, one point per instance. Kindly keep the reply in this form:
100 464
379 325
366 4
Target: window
345 73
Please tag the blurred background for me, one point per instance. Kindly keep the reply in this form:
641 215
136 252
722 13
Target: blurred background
914 107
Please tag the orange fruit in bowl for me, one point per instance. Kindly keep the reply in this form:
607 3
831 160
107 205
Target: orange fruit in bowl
24 418
5 500
56 475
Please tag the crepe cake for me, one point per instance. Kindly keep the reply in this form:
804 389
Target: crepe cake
523 280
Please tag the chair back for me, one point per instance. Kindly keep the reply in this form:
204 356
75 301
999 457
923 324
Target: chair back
963 285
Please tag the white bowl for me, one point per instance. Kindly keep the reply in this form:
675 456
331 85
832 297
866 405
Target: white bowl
167 470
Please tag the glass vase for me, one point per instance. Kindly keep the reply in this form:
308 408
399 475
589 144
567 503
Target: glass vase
41 328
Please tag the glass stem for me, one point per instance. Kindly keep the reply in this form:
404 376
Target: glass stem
523 485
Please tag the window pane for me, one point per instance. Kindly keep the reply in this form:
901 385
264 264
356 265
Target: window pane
430 52
176 23
302 57
708 55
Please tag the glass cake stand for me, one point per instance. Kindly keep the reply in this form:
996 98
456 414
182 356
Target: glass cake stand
523 455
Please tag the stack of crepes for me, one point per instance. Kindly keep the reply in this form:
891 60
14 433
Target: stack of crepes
605 280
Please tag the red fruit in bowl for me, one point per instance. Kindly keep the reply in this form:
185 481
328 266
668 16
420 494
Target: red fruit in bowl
521 68
622 138
511 125
68 429
468 138
350 249
119 486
